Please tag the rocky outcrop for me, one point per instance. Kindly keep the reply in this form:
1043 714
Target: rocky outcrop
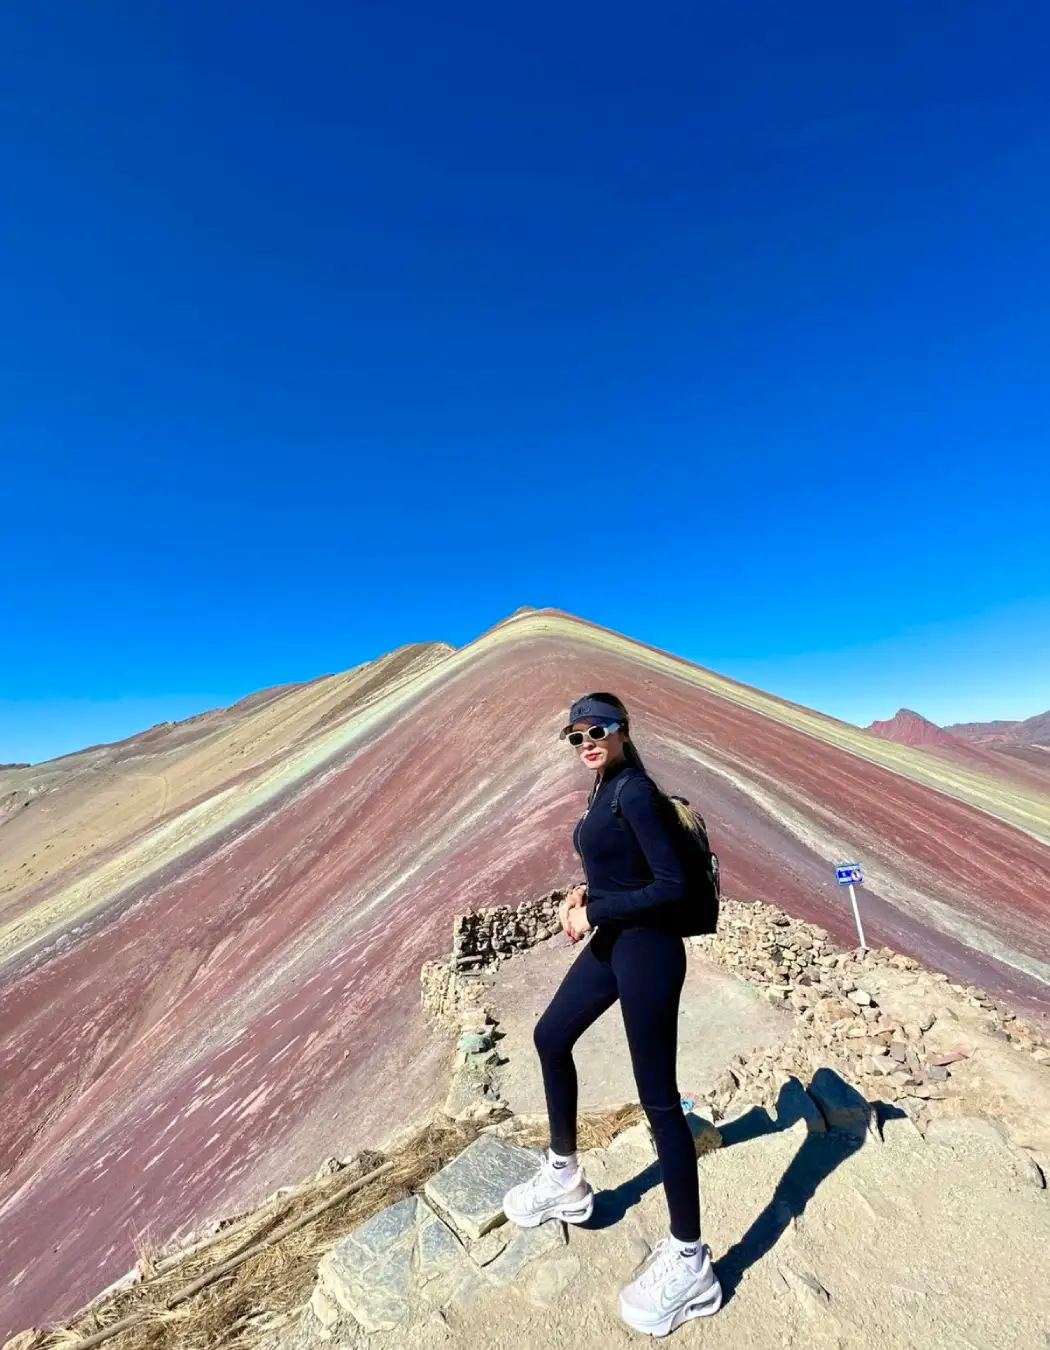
436 1249
910 728
841 1024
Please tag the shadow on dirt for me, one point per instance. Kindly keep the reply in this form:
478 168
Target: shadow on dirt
821 1152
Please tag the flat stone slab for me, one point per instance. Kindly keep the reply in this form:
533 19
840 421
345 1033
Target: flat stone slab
376 1297
469 1190
378 1234
486 1249
440 1251
525 1245
963 1133
372 1272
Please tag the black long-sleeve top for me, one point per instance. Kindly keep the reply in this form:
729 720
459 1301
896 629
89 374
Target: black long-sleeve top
635 873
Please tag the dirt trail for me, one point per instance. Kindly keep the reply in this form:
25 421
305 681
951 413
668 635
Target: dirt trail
817 1243
721 1016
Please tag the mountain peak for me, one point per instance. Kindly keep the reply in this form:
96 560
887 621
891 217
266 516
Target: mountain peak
911 728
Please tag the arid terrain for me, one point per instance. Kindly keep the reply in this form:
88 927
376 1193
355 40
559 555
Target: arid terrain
211 934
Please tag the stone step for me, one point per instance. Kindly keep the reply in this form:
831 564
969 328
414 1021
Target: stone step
443 1248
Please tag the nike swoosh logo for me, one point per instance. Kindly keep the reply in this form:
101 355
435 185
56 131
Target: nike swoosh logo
670 1301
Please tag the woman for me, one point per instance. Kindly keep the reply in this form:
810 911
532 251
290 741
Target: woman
637 901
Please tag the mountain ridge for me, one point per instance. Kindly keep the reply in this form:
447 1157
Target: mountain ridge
912 728
209 947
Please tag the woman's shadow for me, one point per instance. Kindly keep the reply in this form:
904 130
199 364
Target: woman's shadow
820 1153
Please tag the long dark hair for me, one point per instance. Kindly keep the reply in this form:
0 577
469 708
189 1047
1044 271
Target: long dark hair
634 759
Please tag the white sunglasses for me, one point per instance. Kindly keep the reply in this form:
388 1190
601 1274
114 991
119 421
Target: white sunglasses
596 733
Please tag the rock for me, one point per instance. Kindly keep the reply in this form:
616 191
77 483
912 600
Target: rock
25 1340
843 1107
328 1169
323 1308
480 1110
810 1294
369 1272
525 1245
440 1252
936 1073
952 1056
637 1138
898 1051
706 1138
723 1087
470 1189
901 1132
474 1043
486 1249
376 1236
861 998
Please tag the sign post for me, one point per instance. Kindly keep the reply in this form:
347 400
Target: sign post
851 874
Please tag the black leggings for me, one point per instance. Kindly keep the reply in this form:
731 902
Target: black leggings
645 970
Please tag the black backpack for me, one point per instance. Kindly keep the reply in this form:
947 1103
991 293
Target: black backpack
701 862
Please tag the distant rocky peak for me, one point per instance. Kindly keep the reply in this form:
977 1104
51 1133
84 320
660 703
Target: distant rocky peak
911 728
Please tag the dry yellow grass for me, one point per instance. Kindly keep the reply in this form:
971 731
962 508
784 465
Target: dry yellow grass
244 1306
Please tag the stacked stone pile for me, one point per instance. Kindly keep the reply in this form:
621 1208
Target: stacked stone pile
840 1024
453 991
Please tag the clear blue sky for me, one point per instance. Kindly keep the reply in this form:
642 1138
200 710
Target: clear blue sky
329 327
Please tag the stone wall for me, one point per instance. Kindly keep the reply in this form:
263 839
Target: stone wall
839 1023
454 993
453 990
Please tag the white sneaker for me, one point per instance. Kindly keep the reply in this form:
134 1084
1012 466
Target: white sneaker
545 1197
669 1292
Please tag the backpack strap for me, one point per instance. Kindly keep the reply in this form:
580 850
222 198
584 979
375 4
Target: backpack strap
618 788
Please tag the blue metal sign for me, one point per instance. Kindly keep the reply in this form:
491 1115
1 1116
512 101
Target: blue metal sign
849 874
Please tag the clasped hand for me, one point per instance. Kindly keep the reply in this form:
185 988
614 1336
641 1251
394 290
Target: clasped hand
573 913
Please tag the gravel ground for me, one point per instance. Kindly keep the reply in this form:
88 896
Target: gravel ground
818 1243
